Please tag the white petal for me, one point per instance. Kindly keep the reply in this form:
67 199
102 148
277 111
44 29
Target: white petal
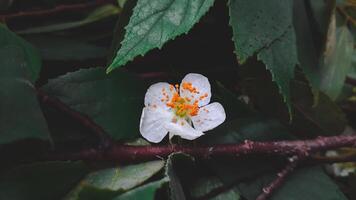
152 124
159 94
209 117
202 85
183 129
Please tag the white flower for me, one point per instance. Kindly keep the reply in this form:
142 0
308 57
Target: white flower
180 110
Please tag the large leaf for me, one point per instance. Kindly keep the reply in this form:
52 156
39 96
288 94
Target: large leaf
113 101
60 48
265 27
257 24
154 22
113 181
303 184
337 60
20 114
31 55
146 192
98 14
45 181
281 59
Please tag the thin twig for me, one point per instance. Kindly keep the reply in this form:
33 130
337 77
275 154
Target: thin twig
281 178
105 139
56 10
349 157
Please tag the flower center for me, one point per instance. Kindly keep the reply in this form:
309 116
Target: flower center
183 106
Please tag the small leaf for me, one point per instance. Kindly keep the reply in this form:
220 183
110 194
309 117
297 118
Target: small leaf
31 54
337 61
115 180
146 192
45 181
20 114
97 15
113 101
154 22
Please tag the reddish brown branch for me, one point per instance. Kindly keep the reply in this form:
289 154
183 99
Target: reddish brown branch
281 178
83 119
56 10
124 153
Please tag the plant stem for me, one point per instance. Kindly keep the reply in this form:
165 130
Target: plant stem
281 178
58 9
125 153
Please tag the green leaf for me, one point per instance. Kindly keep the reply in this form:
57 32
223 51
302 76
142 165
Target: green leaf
207 185
146 192
176 189
307 184
281 59
154 22
114 180
337 61
113 101
266 28
256 24
308 119
97 15
31 55
60 48
20 113
45 181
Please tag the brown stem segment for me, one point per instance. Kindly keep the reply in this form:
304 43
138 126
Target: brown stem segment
125 153
281 178
105 140
57 9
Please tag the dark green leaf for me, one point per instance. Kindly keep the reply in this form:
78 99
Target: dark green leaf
45 181
146 192
209 185
308 119
303 184
176 189
113 101
281 59
60 48
266 28
98 14
154 22
256 24
20 114
31 55
115 180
